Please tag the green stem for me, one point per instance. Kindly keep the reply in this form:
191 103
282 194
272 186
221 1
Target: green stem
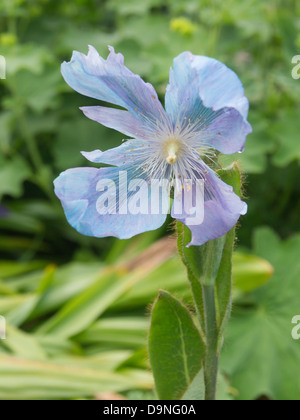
211 357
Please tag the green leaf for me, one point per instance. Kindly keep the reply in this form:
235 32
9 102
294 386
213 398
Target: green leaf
126 332
22 344
108 361
130 7
85 308
170 275
22 313
286 131
12 175
18 221
71 37
9 303
175 347
6 120
80 134
39 92
26 379
31 57
11 269
69 281
260 356
250 272
110 285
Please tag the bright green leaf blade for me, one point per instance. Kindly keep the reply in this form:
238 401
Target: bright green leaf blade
175 347
85 308
126 332
10 303
171 275
25 379
113 283
22 344
11 269
22 313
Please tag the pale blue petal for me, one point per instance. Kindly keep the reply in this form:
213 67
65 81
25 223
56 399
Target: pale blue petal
204 94
225 131
131 152
77 190
117 119
111 81
222 210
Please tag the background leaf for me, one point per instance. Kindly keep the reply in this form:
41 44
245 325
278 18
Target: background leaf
259 354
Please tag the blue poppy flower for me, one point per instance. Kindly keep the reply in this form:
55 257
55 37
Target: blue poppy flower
205 111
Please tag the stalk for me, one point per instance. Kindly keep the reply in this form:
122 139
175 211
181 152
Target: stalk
211 329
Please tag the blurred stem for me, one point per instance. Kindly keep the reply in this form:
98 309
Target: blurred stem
211 329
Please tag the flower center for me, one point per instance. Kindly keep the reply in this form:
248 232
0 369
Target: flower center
172 150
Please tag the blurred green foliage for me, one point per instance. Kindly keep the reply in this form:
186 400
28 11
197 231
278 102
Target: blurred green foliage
66 302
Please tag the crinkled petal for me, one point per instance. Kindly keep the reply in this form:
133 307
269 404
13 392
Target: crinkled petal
117 119
207 98
111 81
226 131
222 210
132 152
79 192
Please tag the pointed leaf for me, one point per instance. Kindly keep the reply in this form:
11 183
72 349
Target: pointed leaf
175 347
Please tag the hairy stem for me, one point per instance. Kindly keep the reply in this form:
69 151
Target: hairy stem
211 330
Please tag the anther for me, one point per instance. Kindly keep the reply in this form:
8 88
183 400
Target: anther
171 158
